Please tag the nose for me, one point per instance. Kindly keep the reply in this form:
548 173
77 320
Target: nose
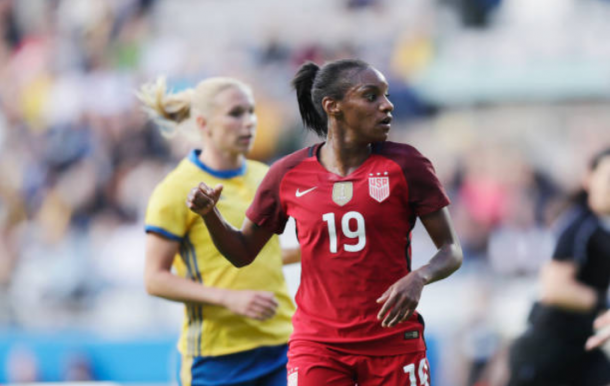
386 106
250 121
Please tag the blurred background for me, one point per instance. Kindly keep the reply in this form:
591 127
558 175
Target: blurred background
508 98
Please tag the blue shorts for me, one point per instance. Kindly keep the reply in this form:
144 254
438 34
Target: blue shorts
263 366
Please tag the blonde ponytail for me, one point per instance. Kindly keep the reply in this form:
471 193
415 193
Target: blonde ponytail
168 111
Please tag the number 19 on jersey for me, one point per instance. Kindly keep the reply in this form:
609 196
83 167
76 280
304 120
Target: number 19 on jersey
358 234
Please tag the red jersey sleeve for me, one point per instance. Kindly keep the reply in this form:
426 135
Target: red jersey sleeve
267 210
426 194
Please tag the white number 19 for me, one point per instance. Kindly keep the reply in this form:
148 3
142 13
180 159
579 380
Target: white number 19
423 370
359 233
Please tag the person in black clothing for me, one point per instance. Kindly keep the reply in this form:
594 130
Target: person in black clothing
575 282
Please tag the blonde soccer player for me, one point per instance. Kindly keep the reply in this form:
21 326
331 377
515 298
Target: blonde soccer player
236 322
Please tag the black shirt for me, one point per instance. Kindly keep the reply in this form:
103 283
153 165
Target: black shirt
584 241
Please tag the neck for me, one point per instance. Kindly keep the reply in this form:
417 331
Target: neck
219 160
341 154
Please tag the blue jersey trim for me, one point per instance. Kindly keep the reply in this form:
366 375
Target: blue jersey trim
191 249
198 310
162 232
194 312
225 174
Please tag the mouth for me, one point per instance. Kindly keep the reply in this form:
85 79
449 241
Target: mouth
245 138
387 121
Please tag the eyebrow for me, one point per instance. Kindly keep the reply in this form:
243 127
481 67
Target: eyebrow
372 86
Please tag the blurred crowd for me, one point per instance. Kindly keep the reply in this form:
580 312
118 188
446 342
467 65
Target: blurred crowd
78 160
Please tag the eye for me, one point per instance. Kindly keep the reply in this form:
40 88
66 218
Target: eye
387 95
236 113
371 97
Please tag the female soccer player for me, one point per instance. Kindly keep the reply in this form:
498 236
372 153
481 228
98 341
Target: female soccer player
574 288
237 322
355 199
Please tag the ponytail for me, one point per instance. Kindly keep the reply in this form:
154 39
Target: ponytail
170 110
303 84
313 84
167 110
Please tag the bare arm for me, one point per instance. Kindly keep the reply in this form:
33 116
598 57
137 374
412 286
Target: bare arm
291 255
240 247
449 256
402 298
560 288
161 282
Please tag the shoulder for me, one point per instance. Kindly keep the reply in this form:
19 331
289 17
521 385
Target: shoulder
282 167
256 165
574 220
289 162
403 154
181 179
573 231
256 168
413 163
396 149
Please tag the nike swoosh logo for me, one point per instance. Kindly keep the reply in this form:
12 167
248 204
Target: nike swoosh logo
299 194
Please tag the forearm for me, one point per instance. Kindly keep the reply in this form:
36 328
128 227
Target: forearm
446 261
291 255
165 284
571 296
228 240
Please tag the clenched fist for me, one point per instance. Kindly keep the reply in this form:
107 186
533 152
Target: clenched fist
202 199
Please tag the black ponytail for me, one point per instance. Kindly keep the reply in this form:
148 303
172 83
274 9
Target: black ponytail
313 83
303 84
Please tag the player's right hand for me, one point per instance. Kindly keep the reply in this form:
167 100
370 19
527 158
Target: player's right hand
259 305
202 199
602 333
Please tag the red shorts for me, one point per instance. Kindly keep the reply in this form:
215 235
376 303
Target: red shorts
315 364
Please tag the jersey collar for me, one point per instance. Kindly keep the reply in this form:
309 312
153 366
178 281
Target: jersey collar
194 158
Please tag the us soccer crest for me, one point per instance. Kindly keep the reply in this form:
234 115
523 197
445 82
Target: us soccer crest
379 187
343 192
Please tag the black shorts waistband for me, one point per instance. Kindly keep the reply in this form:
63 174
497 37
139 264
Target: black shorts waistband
569 323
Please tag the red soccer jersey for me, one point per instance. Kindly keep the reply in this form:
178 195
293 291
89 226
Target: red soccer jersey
355 234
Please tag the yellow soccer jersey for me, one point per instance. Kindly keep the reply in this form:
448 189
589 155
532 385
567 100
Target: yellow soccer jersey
210 330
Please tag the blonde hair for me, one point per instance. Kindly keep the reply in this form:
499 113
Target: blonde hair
170 110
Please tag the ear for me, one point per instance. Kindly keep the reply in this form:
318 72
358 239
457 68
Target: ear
201 123
331 106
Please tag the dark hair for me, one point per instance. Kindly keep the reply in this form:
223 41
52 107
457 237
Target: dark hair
582 196
313 83
597 158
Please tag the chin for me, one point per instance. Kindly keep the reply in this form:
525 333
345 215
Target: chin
383 137
243 148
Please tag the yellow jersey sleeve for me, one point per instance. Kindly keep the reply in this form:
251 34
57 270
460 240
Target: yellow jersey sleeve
167 213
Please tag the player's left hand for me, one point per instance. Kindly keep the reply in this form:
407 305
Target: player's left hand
400 300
